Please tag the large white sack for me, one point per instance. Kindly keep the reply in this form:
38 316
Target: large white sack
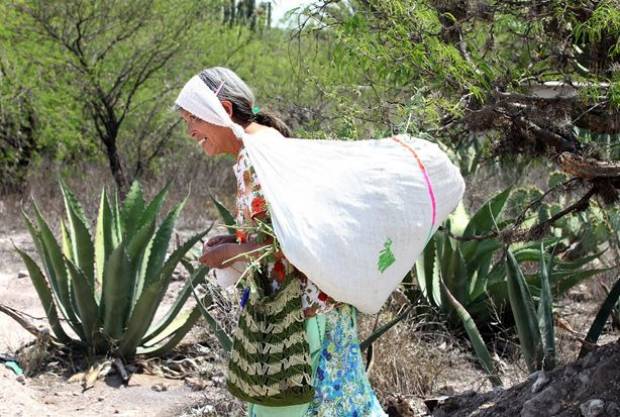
337 205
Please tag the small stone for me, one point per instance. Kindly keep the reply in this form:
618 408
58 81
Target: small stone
533 376
570 370
584 378
208 409
612 410
554 409
22 274
21 379
590 360
196 384
540 382
592 408
159 387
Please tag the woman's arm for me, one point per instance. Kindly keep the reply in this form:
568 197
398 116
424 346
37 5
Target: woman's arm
219 239
222 255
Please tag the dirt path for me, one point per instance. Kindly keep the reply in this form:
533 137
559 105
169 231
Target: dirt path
51 396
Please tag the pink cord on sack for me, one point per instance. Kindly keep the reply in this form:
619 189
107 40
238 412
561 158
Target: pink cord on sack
429 186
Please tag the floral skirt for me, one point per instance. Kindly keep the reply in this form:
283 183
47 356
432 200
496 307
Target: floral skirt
340 382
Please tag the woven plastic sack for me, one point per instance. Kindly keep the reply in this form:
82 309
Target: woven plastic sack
355 215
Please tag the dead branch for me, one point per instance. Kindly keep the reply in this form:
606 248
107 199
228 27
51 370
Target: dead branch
18 316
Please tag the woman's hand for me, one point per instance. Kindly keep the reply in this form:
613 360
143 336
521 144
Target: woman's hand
216 255
220 256
219 239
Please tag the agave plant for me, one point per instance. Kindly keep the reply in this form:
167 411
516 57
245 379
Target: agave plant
107 291
474 272
598 325
189 261
535 326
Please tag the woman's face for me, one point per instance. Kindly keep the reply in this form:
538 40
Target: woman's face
212 138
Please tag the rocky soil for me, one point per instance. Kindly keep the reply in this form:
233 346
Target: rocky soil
589 387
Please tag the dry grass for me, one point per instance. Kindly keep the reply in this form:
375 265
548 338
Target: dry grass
191 173
406 359
420 358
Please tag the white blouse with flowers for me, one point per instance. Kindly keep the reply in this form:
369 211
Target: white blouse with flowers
251 205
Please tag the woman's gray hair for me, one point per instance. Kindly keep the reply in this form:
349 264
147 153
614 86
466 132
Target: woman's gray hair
229 86
234 88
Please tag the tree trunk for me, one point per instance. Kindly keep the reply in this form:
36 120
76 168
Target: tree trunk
116 166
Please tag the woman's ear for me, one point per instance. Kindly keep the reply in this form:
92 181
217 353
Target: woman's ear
228 107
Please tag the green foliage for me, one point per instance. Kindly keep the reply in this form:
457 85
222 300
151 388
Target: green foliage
602 316
227 217
475 337
205 301
524 313
220 333
471 271
545 313
535 326
109 289
605 20
247 12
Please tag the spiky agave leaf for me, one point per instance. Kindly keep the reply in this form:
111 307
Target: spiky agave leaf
216 328
545 313
384 328
159 328
45 295
484 357
116 293
103 241
154 287
155 254
601 318
483 221
173 327
524 314
132 209
117 223
139 246
427 272
182 324
81 242
229 219
87 306
174 259
57 271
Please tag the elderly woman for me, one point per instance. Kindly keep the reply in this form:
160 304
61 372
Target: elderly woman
339 382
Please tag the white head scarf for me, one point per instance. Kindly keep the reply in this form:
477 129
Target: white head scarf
198 99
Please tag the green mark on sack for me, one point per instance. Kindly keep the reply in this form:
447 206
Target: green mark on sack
386 257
